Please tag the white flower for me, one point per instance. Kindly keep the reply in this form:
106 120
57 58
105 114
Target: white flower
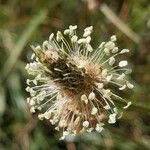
72 83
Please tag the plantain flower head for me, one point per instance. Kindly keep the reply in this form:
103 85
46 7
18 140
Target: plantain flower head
74 86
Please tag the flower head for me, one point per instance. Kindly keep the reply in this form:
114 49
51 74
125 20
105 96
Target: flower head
73 84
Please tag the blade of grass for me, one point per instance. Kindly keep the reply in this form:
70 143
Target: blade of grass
2 101
16 51
111 16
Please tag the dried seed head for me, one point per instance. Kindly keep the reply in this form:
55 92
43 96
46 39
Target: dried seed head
72 84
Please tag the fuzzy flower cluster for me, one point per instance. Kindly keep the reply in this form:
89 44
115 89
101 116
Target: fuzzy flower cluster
74 86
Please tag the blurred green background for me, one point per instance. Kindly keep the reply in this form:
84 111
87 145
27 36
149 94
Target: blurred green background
23 23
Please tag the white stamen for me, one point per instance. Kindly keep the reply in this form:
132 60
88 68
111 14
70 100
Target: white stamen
124 51
32 109
123 87
51 37
121 77
123 63
90 28
47 115
89 48
57 128
102 44
129 85
90 129
41 116
73 27
86 33
80 41
88 40
99 127
38 48
31 102
45 45
84 98
128 104
107 107
85 124
28 83
33 56
35 81
74 39
110 45
91 96
111 61
28 100
112 118
107 51
107 93
104 73
108 78
94 111
115 50
113 38
115 110
59 36
100 85
67 31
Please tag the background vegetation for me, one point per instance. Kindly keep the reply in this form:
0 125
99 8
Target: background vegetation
23 23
